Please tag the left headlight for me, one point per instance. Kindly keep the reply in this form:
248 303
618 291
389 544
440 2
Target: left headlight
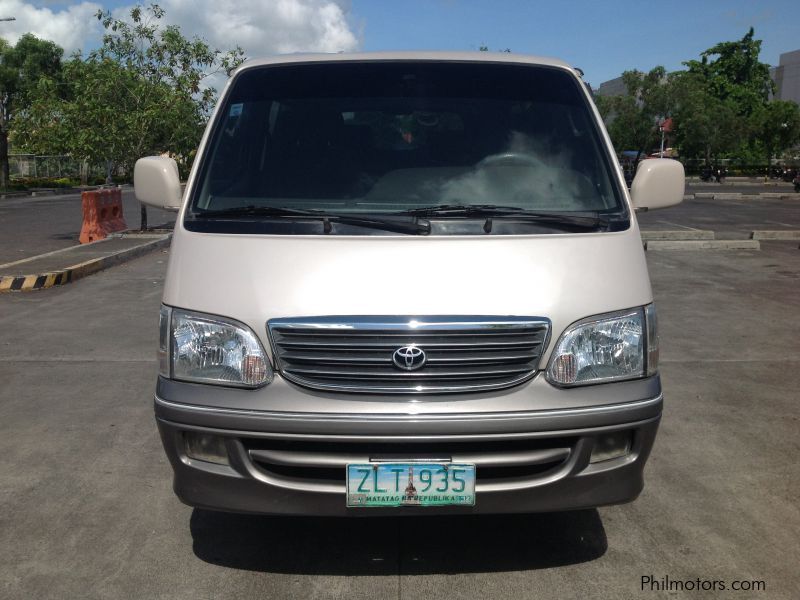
608 347
210 349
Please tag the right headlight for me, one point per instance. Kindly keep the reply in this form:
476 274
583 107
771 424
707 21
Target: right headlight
210 349
610 347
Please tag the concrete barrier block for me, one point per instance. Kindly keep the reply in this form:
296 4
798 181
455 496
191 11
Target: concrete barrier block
728 196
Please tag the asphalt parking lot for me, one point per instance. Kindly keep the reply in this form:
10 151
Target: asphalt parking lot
88 511
32 226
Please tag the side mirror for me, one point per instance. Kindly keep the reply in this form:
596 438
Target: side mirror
659 183
156 182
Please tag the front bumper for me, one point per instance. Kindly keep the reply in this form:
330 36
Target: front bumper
527 460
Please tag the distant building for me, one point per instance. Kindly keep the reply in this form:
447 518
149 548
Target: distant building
787 76
613 87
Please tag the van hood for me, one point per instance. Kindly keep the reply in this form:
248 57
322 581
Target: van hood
254 278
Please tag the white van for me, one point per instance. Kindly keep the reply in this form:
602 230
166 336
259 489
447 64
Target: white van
407 283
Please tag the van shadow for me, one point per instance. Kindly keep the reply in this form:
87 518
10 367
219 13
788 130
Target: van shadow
388 545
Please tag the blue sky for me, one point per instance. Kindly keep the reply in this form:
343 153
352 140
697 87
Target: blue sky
602 38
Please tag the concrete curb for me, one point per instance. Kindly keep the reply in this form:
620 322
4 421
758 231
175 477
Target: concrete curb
55 192
703 245
786 234
680 234
738 180
41 281
741 196
776 196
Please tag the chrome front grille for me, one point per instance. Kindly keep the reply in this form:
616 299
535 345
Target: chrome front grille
382 354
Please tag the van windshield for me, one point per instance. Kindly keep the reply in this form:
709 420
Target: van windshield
383 139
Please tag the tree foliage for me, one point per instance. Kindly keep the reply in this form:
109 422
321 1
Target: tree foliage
777 126
705 125
168 92
22 67
720 106
633 118
144 91
736 75
722 100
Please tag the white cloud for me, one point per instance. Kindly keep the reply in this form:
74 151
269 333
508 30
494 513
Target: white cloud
69 27
263 27
260 27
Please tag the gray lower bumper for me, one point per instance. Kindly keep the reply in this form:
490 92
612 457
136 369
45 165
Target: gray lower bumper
249 486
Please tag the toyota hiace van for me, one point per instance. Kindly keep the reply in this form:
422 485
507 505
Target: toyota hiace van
407 283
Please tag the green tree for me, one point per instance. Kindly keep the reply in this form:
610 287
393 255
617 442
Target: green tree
724 101
86 115
144 91
733 73
22 66
704 125
164 77
632 119
777 127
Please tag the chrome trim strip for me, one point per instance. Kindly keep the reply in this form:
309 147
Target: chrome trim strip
241 460
394 418
490 458
417 389
406 323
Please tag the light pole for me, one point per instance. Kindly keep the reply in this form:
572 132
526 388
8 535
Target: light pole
664 127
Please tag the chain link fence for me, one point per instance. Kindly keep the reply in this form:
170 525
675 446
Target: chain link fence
775 169
30 166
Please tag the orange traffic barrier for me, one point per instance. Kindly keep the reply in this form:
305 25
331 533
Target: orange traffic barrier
102 214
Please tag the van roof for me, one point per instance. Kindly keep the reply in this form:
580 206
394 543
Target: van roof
485 57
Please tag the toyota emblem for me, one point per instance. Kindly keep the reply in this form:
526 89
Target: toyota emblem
409 358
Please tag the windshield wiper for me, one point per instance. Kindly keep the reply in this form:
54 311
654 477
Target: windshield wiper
493 211
416 226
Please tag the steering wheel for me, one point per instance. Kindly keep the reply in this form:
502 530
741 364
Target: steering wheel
510 159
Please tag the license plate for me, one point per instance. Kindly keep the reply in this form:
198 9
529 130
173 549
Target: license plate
410 484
